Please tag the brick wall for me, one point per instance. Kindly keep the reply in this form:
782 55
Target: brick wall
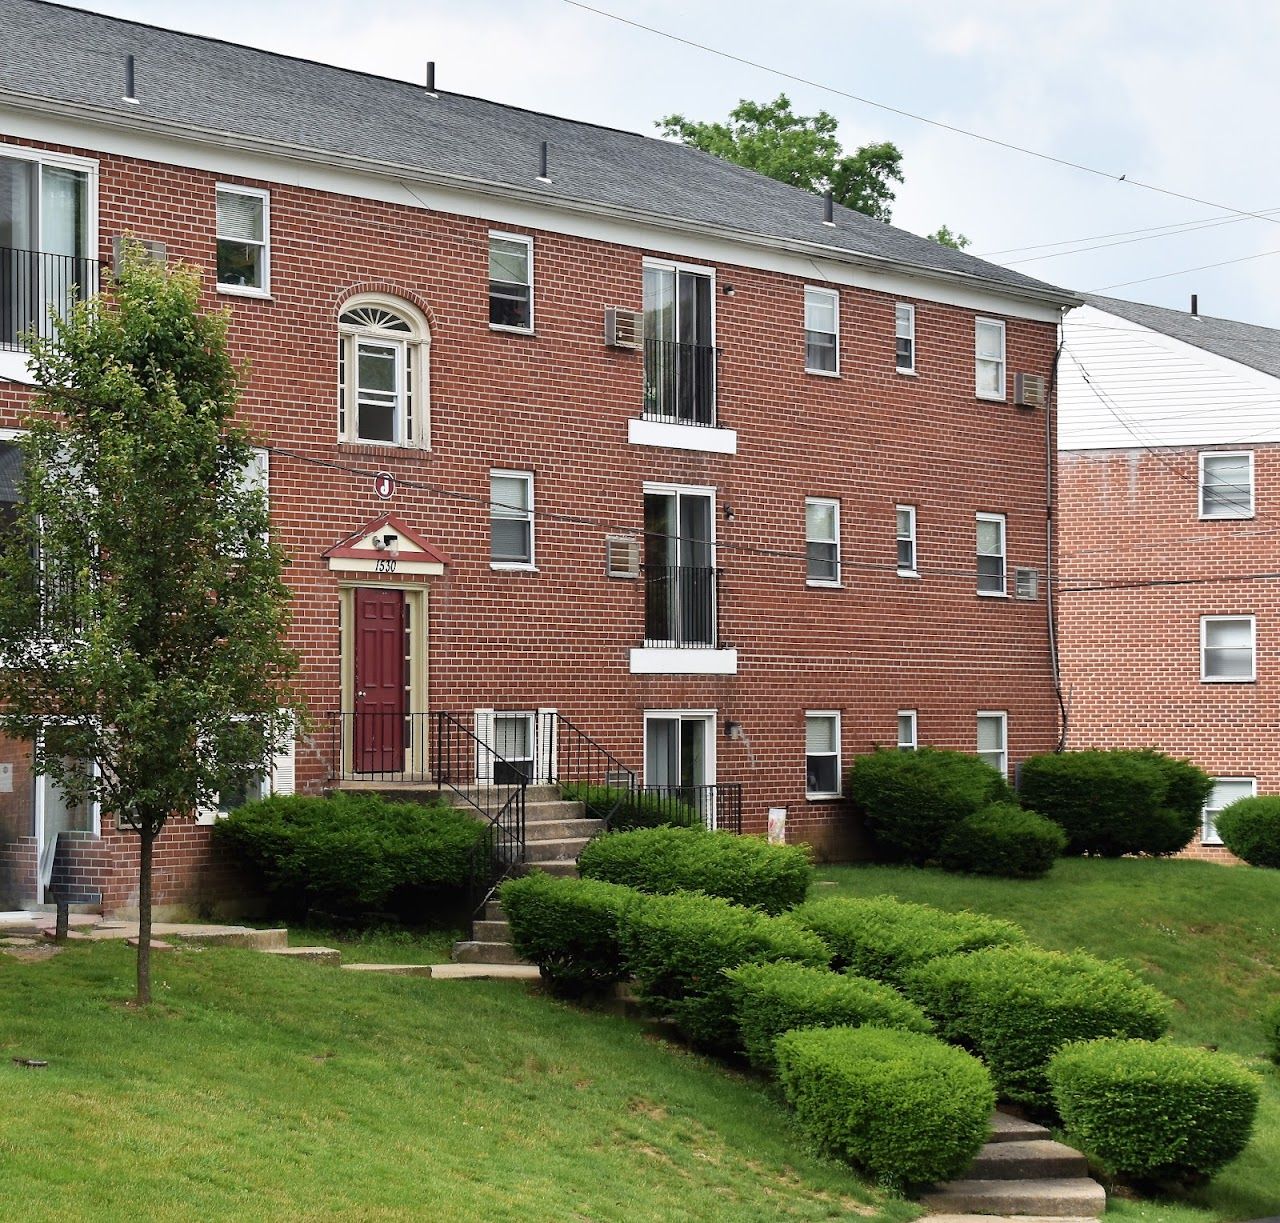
558 404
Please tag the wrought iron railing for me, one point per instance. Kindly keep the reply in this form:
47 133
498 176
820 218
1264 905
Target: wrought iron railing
584 771
36 287
716 806
680 605
680 382
374 746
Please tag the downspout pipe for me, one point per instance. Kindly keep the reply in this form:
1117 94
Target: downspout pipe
1050 508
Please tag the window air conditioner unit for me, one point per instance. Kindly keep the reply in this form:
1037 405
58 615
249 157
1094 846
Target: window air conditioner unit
623 328
622 556
1026 584
1029 390
156 252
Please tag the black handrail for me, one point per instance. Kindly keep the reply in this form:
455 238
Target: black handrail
585 772
717 806
680 605
680 382
35 287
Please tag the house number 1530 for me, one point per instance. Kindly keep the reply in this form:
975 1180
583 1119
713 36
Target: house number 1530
384 564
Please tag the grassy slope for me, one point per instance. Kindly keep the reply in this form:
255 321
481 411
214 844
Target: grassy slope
1207 935
256 1089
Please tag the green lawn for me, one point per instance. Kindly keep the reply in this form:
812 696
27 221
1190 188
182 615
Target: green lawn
382 945
260 1089
1208 935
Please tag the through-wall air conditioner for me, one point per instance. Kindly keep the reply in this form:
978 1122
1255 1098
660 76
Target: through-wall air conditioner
622 556
1026 584
156 252
623 328
1029 390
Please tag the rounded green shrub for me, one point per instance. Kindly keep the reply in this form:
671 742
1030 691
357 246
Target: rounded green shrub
913 800
677 948
1250 829
626 809
1157 1113
1017 1006
568 928
746 870
884 938
1271 1031
1112 803
354 854
1006 840
774 998
901 1106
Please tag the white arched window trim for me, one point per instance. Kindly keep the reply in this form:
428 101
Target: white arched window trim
384 372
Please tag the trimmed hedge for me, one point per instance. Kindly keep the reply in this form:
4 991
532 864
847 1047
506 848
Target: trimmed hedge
1112 803
746 870
774 998
902 1106
1006 840
912 801
1250 829
1271 1031
631 808
677 948
1017 1006
353 854
568 928
884 938
1155 1112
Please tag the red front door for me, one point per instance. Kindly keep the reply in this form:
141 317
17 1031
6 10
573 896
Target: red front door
380 681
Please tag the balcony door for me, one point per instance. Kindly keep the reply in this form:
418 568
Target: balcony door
679 550
679 345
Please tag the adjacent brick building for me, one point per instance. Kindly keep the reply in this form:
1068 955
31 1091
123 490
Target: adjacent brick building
1169 607
736 485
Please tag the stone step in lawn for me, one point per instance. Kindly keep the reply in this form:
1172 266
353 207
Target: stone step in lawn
393 970
996 1218
1005 1127
1037 1159
1056 1198
473 951
491 931
313 955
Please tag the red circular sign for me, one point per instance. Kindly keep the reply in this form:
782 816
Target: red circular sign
384 484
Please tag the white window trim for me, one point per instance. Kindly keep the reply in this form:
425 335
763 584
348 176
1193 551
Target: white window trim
265 197
1253 651
914 571
1229 517
708 716
839 741
1208 837
421 388
1004 365
915 730
908 371
837 582
1003 715
1003 592
834 294
528 241
486 733
531 565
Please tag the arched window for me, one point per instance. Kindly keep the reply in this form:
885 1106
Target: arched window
383 373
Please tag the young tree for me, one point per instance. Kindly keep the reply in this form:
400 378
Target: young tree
142 609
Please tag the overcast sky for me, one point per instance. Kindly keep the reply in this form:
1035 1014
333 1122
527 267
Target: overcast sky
1181 94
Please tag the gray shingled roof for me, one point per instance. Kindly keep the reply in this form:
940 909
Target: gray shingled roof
1258 347
71 56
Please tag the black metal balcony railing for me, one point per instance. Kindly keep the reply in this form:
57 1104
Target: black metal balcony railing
36 286
680 382
716 806
680 605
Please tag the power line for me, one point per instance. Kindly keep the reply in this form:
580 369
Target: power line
1204 267
918 118
1122 233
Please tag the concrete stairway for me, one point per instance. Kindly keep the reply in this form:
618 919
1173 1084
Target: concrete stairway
1021 1174
555 831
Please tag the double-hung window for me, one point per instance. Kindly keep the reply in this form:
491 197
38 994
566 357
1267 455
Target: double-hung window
510 282
991 554
993 739
382 374
511 519
907 739
822 754
1226 484
1227 649
244 227
904 330
906 528
822 540
989 358
1226 790
822 331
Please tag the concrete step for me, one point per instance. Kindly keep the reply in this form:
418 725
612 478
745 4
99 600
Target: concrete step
392 970
1057 1198
490 795
485 972
491 931
993 1218
553 809
473 951
493 911
224 936
1005 1127
313 955
558 849
559 866
1037 1159
557 830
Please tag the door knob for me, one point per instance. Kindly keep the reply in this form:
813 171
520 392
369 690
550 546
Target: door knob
361 694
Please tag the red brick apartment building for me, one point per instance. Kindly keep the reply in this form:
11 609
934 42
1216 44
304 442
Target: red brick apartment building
1170 461
680 463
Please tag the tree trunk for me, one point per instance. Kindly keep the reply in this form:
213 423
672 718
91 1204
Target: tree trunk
146 841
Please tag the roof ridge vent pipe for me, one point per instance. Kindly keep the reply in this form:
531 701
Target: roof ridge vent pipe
431 79
130 93
1195 305
828 208
543 177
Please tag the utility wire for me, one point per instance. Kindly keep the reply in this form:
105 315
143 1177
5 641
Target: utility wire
1204 267
1173 226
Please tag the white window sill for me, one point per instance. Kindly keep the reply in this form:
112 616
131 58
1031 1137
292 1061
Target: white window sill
1215 842
990 398
514 567
821 798
908 573
823 584
822 373
511 330
245 291
1228 679
15 367
906 373
382 445
1226 517
993 594
707 438
664 660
